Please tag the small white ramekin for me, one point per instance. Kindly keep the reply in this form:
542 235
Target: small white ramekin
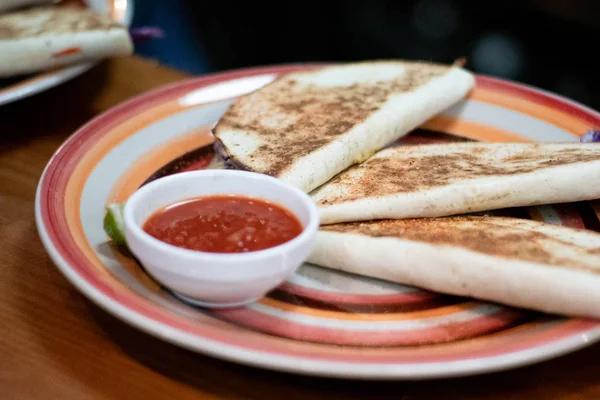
218 279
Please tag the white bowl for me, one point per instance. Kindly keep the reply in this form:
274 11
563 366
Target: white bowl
218 279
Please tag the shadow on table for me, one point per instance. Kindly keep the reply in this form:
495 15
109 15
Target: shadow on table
570 373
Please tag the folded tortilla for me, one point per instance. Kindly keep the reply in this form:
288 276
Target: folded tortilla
516 262
7 5
41 38
306 127
457 178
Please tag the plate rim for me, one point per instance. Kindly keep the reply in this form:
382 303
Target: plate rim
292 363
43 81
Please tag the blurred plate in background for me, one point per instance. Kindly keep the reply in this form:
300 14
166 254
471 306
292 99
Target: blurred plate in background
18 88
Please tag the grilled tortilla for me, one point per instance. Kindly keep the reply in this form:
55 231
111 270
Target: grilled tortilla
7 5
457 178
511 261
306 127
42 38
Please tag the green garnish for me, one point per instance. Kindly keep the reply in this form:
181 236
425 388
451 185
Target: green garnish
114 223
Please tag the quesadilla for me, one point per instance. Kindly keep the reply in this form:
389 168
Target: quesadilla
42 38
7 5
516 262
437 180
306 127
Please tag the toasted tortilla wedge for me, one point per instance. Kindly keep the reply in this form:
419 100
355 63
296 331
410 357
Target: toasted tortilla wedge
306 127
42 38
457 178
511 261
7 5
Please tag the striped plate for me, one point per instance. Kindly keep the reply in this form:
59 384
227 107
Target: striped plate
320 322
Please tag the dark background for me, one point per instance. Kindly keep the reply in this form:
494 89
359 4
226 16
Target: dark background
552 44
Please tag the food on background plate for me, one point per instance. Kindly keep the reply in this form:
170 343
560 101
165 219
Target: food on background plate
224 224
591 136
43 38
306 127
511 261
8 5
436 180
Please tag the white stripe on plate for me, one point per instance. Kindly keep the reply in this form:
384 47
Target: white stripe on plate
111 168
226 90
549 215
407 325
328 280
509 120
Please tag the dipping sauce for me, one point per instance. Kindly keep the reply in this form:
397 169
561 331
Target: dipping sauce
223 224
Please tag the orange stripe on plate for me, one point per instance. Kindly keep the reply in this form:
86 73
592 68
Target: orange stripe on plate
500 338
436 312
141 169
547 114
472 130
87 164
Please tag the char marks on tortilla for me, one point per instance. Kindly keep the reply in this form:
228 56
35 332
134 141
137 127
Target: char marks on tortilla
41 21
405 169
511 238
296 120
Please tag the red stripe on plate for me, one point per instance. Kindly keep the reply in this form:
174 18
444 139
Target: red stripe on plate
52 207
439 334
569 216
540 97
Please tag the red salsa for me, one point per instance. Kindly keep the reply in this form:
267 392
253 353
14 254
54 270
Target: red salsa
223 224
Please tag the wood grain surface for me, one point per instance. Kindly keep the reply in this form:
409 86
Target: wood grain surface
55 344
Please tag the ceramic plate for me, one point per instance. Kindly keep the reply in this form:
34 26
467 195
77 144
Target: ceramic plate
19 88
320 322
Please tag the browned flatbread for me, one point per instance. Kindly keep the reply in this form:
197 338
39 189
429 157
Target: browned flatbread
512 261
306 127
456 178
9 5
42 38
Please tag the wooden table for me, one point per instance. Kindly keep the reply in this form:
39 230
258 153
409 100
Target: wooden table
55 344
